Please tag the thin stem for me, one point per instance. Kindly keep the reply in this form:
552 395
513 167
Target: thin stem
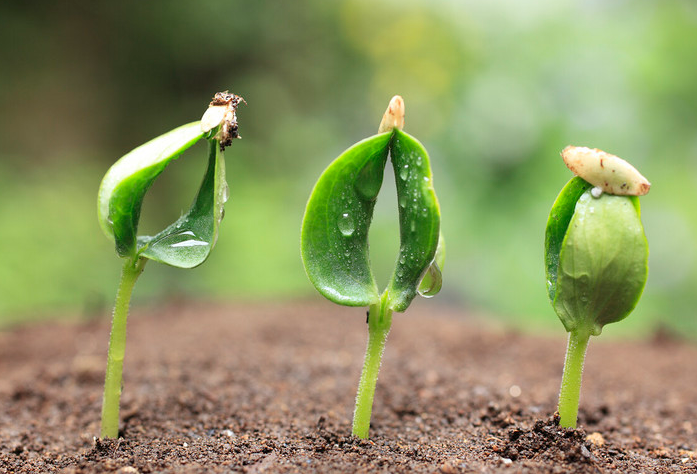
117 348
379 323
571 380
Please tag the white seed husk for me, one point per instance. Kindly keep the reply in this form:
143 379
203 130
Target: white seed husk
608 172
394 116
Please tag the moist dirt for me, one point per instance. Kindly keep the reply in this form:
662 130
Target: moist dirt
270 388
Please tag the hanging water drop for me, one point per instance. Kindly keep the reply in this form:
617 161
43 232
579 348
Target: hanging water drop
431 282
346 225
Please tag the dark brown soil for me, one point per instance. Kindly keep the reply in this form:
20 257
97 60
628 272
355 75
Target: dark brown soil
271 389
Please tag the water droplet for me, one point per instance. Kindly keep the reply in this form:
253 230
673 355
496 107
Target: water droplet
402 260
418 160
346 225
404 172
413 226
187 242
190 243
431 282
402 201
225 193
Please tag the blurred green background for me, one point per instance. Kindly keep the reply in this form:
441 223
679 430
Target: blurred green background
494 90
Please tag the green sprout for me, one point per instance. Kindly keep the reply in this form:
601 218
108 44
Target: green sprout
596 256
335 238
185 244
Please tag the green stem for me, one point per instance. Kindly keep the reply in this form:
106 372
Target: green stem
379 323
117 348
571 380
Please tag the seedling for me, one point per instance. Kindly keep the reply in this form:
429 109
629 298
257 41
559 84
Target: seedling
335 238
596 257
185 244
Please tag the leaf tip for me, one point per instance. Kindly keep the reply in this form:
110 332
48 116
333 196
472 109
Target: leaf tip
394 115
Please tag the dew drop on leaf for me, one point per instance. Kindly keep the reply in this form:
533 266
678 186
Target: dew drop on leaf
346 225
225 193
190 243
404 172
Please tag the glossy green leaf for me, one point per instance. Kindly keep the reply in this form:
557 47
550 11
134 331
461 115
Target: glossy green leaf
187 242
557 224
337 218
419 218
603 262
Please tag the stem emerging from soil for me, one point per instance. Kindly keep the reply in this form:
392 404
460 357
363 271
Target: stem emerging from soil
117 348
379 323
571 380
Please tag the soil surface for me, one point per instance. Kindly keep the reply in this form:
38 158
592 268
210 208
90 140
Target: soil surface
224 389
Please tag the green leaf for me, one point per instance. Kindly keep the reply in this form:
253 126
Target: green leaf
603 263
419 218
334 237
557 224
187 242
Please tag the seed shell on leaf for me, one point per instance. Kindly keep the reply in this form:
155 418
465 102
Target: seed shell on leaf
222 111
609 173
